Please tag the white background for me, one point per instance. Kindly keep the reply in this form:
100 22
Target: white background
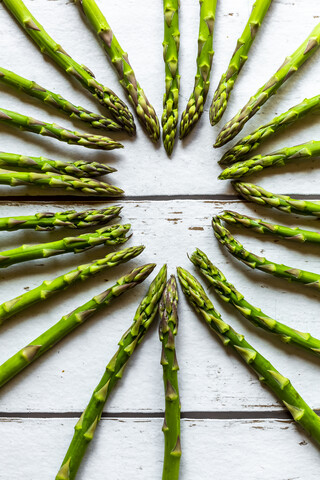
232 428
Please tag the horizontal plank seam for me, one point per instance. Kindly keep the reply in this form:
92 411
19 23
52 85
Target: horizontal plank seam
215 415
136 198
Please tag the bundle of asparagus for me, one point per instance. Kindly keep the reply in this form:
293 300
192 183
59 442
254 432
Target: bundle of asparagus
267 374
31 352
290 66
79 72
85 428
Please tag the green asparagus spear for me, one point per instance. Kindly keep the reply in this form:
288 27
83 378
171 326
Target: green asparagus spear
80 168
81 73
252 141
168 328
287 69
279 158
260 226
260 263
88 186
171 45
113 235
267 374
68 323
229 294
85 428
69 219
256 194
55 100
195 105
50 287
119 59
29 124
238 59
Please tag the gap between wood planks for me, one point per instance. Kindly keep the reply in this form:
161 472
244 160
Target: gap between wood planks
215 415
135 198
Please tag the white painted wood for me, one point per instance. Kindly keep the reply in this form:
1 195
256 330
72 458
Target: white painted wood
211 379
233 449
144 168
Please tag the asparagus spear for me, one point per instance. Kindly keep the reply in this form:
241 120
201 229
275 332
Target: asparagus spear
238 59
50 287
168 328
256 194
113 235
85 428
80 168
81 73
69 219
287 69
228 293
260 263
171 46
252 141
120 61
68 323
279 158
260 226
55 100
88 186
195 105
29 124
267 374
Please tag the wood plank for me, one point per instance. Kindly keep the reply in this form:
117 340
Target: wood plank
233 449
211 378
143 168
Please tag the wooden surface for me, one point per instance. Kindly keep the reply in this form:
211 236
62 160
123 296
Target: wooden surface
232 427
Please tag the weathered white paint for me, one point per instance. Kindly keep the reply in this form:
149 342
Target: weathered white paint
144 168
211 379
233 449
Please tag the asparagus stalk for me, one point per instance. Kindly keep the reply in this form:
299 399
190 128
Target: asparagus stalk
260 263
69 219
171 46
113 235
50 287
168 329
198 97
81 73
68 323
96 120
287 69
88 186
228 293
29 124
85 428
80 168
256 194
238 59
119 59
260 226
252 141
267 374
279 158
